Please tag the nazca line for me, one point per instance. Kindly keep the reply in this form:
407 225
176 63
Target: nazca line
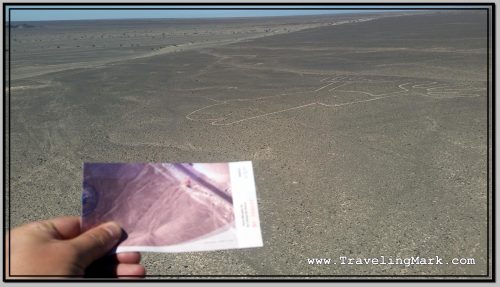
429 87
377 97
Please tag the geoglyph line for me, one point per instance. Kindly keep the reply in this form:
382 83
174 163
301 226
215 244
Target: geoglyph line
327 85
188 116
215 123
334 88
431 89
357 102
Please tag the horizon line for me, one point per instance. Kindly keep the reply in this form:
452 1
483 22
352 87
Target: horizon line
42 14
200 18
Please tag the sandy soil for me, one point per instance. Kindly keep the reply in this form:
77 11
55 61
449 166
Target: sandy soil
368 138
46 47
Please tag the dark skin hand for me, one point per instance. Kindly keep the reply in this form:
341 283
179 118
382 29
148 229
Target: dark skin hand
58 248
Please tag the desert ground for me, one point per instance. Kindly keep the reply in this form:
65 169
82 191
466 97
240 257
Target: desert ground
368 133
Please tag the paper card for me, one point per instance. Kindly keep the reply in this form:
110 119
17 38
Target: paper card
174 207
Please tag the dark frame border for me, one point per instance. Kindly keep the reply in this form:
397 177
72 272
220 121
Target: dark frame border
489 7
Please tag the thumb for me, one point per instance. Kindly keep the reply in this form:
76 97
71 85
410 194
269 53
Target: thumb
96 242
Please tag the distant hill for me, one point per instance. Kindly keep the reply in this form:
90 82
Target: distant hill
20 26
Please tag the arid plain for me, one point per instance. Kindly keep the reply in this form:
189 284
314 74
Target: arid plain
368 133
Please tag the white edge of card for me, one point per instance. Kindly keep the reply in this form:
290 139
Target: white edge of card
217 242
245 204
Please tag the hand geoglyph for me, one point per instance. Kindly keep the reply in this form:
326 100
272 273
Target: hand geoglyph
332 92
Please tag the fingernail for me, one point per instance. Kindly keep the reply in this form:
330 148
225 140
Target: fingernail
113 229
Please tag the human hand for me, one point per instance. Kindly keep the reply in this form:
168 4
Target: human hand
57 247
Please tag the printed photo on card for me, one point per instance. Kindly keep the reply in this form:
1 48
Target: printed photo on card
174 207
